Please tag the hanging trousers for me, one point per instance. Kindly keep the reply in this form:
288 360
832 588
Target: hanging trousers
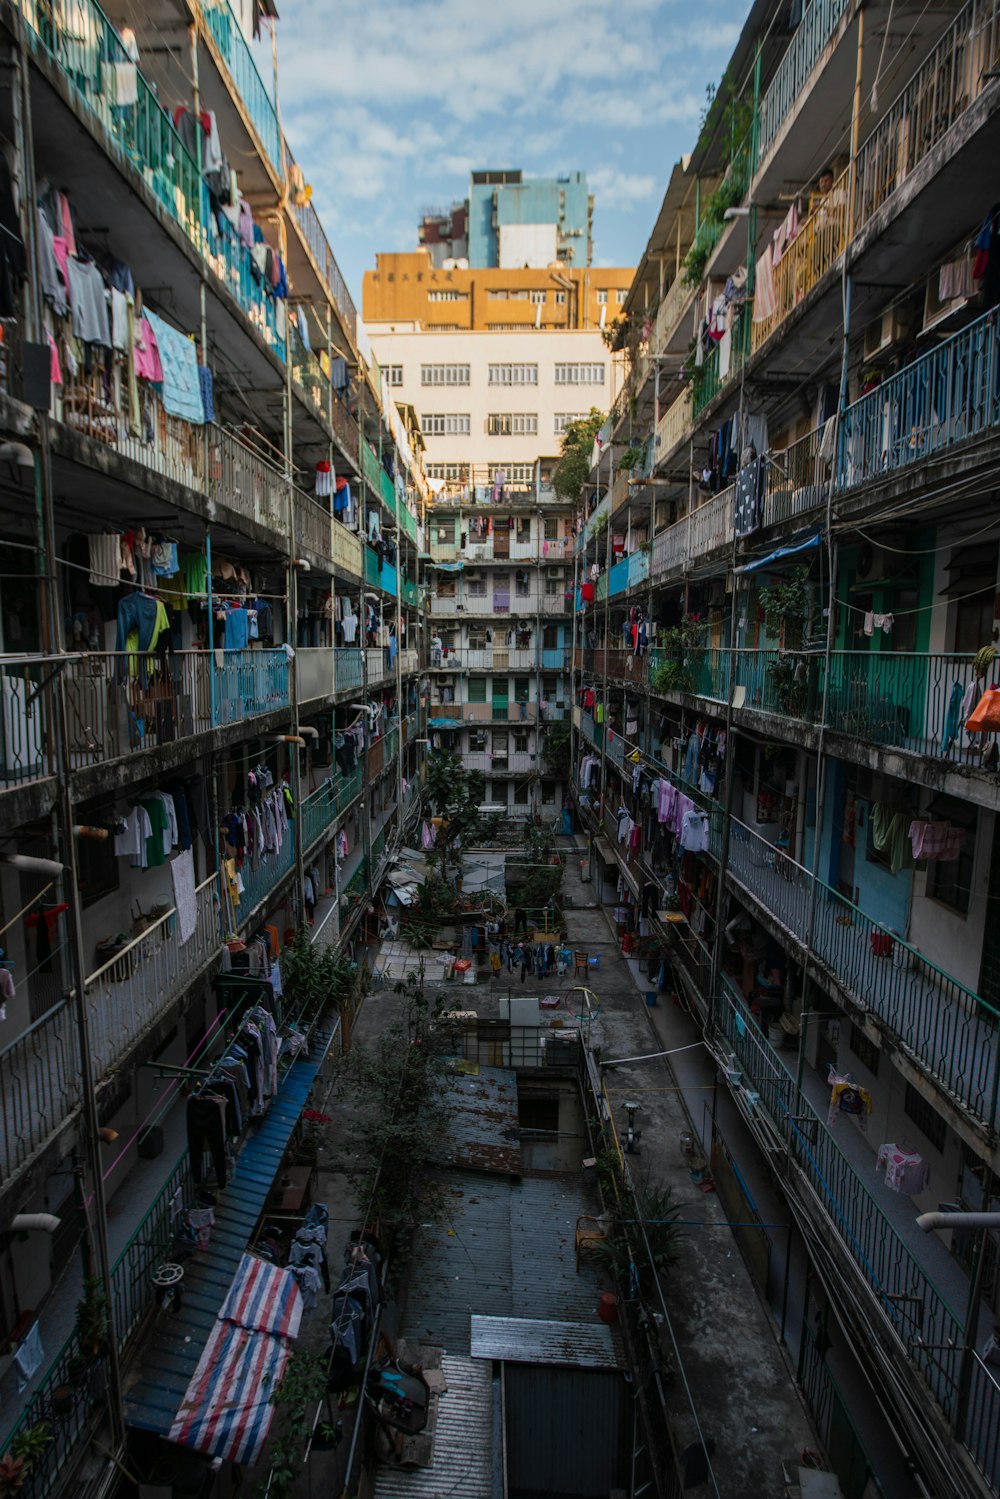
205 1132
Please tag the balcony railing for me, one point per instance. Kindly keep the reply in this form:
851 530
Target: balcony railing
313 526
26 687
243 480
955 74
818 245
674 425
312 232
818 23
712 378
120 703
930 1333
671 308
348 670
228 36
319 811
948 394
39 1071
347 550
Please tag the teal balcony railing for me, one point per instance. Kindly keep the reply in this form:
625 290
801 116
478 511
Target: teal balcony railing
370 467
260 883
908 700
242 69
707 382
312 232
320 811
818 23
930 1331
230 259
347 668
948 394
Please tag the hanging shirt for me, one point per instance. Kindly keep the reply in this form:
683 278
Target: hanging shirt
905 1171
694 831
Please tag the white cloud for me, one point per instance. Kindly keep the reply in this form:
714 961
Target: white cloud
615 189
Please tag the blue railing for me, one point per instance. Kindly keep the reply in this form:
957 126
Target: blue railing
948 394
347 672
250 682
618 577
817 26
242 69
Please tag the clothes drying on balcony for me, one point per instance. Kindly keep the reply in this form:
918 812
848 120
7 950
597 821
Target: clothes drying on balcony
181 380
905 1170
848 1099
936 840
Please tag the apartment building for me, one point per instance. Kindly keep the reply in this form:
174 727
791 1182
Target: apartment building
492 409
786 625
409 291
513 221
209 599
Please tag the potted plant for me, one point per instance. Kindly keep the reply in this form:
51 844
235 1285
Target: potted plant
93 1320
31 1442
784 602
77 1370
13 1472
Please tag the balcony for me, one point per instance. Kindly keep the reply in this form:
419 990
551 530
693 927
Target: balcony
39 1071
85 47
118 704
900 700
517 762
346 550
817 247
348 670
490 658
247 483
709 381
313 527
819 21
320 811
312 232
672 308
890 1257
947 395
232 47
674 425
960 69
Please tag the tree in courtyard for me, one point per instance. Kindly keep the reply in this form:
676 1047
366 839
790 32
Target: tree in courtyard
454 794
573 468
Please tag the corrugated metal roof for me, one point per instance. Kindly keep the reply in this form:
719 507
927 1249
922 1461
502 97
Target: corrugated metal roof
501 1248
482 1131
463 1440
529 1340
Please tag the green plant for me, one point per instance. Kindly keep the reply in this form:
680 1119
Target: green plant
556 748
93 1318
455 795
671 676
600 525
315 977
630 459
13 1472
31 1442
681 651
302 1388
695 261
788 690
785 601
573 469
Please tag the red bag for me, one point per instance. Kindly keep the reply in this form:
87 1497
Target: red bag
985 716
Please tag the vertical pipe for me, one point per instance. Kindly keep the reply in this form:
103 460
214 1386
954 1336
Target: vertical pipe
212 705
295 751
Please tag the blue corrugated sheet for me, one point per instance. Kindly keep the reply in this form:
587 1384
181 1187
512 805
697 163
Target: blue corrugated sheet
177 1341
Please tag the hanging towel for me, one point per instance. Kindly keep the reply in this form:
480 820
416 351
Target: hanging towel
29 1356
181 381
182 874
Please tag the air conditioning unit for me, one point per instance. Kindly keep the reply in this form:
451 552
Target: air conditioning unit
871 566
886 332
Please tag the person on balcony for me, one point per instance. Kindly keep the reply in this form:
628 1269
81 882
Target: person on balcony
436 650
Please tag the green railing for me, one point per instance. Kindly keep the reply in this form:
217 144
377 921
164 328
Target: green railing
242 69
370 467
707 382
410 592
321 809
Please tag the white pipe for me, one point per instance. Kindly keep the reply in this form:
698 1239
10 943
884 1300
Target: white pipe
929 1221
45 1223
31 865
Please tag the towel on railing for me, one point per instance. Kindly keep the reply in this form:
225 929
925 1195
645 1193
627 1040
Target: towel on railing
182 875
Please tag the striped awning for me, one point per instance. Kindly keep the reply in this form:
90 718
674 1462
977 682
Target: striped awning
227 1411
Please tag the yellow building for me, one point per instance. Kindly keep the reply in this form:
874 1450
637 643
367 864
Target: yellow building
408 293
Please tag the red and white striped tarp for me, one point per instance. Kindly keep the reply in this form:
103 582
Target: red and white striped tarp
226 1411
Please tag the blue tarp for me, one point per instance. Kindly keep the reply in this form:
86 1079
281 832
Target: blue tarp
781 553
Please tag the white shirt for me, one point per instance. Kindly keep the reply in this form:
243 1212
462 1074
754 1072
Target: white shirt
694 832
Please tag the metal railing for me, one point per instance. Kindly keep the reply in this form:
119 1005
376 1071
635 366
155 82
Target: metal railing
347 671
311 229
671 309
39 1086
818 245
346 550
818 23
313 527
942 1024
243 480
946 395
675 424
228 36
315 672
259 883
307 372
945 85
119 703
26 686
320 810
798 478
709 381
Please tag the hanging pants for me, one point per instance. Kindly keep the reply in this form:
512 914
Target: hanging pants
205 1132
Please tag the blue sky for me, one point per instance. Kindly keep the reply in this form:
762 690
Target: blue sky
388 104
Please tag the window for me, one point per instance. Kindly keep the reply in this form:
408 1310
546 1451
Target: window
477 689
500 748
513 473
496 296
550 637
512 423
521 741
538 1112
521 689
476 584
950 880
551 532
513 374
538 297
621 294
928 1121
555 580
454 473
522 584
565 419
447 296
394 374
602 297
579 374
560 299
477 740
520 295
444 374
549 686
548 793
445 423
444 532
521 794
864 1049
